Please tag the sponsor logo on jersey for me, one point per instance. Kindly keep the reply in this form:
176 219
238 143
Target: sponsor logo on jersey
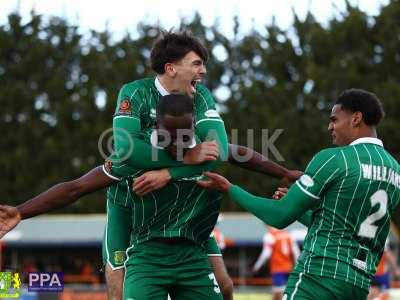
306 180
359 264
125 107
211 113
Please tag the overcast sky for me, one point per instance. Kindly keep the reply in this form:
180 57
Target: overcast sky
120 16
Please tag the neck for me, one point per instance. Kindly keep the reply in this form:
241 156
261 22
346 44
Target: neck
167 83
365 132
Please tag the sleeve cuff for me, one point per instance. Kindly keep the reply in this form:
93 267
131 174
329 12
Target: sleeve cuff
109 175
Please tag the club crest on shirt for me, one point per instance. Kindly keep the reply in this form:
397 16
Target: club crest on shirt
119 257
125 107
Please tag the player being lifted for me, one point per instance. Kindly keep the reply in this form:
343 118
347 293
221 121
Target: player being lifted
345 197
179 60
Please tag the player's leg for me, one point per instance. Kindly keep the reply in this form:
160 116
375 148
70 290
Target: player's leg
221 274
302 286
115 242
114 270
218 266
114 280
279 281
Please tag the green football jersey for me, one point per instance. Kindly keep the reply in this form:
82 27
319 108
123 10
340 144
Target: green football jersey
358 187
180 209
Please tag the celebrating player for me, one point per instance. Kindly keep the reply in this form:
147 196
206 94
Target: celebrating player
346 197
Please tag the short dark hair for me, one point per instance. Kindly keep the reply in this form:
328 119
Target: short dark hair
175 105
173 46
367 103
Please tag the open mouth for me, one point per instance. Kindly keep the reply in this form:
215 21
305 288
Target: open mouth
194 83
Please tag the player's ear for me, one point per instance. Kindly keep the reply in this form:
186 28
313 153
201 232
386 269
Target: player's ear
356 119
169 69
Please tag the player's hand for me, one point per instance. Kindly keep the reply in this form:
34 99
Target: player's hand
290 177
9 218
206 151
215 182
280 193
150 181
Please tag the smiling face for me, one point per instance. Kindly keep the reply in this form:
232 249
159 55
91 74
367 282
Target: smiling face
341 126
186 73
175 133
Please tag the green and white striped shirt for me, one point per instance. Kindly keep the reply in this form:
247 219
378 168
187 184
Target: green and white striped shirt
358 188
180 209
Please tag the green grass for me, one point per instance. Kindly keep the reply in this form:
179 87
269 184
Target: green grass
251 296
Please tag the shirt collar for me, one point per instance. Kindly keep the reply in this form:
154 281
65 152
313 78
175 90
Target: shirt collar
368 140
154 140
160 88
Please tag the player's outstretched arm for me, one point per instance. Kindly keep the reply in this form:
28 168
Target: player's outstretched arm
65 193
56 197
249 159
278 214
305 219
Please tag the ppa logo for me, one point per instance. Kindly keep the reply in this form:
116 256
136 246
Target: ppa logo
46 282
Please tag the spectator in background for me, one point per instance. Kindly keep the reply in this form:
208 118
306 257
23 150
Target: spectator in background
218 235
282 251
220 238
